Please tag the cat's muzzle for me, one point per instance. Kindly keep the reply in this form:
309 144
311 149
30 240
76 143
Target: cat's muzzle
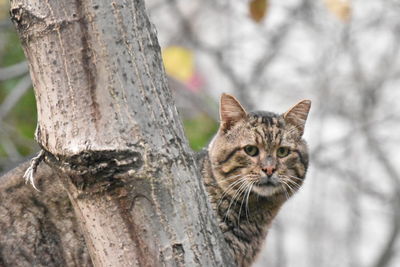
268 181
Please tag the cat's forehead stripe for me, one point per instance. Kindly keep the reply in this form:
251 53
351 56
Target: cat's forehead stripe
259 135
267 126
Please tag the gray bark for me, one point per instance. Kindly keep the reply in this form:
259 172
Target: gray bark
113 139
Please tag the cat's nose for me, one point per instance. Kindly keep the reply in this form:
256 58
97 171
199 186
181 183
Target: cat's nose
269 169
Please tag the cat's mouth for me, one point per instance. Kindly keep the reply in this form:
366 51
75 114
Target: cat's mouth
266 181
266 187
267 184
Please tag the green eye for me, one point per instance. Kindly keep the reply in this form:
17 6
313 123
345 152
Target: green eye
251 150
282 152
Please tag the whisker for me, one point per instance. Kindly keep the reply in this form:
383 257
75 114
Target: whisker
288 181
295 177
230 187
291 188
236 195
285 189
296 184
244 197
247 200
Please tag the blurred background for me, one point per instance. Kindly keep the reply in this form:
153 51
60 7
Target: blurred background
341 54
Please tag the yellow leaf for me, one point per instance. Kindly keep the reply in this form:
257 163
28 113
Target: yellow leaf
178 62
258 9
340 8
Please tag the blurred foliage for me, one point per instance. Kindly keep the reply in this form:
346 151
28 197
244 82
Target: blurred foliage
179 64
199 131
12 52
25 115
22 119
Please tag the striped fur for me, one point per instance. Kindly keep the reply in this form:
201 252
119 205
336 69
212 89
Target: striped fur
244 197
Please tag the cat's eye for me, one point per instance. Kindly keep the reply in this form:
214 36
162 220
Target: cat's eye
251 150
282 152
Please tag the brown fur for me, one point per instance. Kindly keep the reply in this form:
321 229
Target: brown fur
247 191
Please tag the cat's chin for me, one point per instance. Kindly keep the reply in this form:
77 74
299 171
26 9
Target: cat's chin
266 190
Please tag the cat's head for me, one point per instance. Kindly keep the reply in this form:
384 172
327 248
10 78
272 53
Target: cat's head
259 152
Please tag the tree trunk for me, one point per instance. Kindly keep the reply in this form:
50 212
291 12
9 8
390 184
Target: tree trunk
112 136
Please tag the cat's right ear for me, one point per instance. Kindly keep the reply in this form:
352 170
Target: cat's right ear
230 111
297 115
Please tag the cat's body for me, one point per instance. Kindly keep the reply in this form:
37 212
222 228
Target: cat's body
246 182
244 233
253 165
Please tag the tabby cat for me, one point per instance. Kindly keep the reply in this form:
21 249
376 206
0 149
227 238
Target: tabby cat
256 161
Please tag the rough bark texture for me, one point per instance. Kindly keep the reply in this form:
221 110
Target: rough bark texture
112 136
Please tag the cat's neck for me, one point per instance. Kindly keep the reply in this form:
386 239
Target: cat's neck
247 209
244 221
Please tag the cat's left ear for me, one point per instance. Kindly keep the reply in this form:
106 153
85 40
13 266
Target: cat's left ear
297 115
230 111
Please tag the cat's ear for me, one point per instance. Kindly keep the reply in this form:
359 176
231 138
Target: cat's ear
297 115
230 111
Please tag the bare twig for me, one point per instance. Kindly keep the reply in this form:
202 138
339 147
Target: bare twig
11 100
10 148
13 71
30 172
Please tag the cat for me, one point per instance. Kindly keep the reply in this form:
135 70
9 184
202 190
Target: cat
246 175
255 162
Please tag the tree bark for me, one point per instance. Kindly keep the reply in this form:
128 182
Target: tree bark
112 136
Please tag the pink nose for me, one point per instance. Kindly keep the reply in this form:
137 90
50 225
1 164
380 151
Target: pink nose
269 170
